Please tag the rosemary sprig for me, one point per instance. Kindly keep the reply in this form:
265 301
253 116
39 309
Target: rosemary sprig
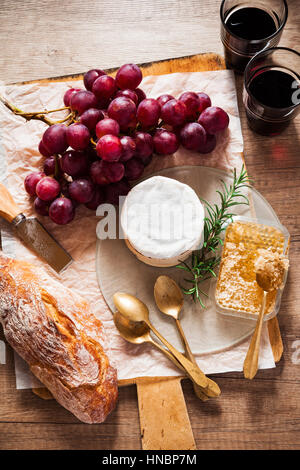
204 261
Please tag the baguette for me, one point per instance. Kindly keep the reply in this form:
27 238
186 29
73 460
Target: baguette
54 331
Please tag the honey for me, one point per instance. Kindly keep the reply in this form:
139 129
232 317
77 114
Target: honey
237 288
270 269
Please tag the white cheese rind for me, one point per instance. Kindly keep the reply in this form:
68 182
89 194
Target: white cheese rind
162 218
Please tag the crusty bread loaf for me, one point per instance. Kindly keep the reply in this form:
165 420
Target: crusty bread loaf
54 330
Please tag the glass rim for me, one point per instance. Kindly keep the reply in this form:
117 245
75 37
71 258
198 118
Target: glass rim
264 51
256 41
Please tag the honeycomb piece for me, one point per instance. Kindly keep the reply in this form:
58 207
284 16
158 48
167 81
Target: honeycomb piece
237 288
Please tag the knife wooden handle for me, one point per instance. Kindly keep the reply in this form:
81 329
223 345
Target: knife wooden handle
8 208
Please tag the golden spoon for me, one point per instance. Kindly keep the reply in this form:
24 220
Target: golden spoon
251 360
270 269
169 299
139 333
136 311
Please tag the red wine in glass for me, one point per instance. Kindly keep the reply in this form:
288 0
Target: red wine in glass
272 90
247 29
251 23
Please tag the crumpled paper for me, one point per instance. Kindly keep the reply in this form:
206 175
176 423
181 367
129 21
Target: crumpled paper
19 156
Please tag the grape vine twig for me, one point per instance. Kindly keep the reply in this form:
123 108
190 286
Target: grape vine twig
40 115
204 261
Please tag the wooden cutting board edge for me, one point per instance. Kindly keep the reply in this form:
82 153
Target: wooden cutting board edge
192 63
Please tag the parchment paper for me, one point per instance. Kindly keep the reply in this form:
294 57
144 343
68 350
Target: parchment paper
20 156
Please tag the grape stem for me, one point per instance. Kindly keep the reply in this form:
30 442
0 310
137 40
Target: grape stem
70 116
22 113
40 116
93 142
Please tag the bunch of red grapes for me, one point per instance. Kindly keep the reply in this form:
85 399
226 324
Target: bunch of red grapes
113 134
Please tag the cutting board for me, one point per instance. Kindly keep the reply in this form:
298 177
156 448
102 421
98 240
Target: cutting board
164 419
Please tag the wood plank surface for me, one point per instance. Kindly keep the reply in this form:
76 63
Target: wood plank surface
51 38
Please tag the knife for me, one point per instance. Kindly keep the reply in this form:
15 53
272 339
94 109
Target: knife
33 233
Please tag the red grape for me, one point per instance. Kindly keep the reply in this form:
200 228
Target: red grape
97 174
90 117
47 189
115 190
91 154
68 95
78 136
129 76
214 119
74 163
209 145
107 126
174 112
147 160
192 136
191 100
41 207
43 151
61 211
90 76
144 145
114 172
175 129
49 166
109 148
64 188
128 148
148 112
128 94
31 181
65 192
131 126
83 100
134 169
165 142
55 139
204 101
81 190
97 199
140 94
163 99
104 87
123 110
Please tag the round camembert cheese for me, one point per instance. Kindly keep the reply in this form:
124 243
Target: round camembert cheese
162 220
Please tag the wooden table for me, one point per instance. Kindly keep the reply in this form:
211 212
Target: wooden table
48 38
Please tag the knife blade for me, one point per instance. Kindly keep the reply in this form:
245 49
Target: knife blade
33 233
